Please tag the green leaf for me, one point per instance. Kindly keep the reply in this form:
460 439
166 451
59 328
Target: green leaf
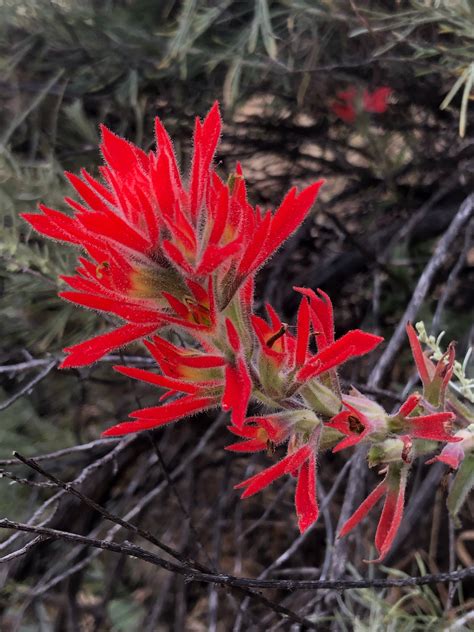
462 484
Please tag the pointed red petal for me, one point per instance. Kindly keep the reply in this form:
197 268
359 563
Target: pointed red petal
120 154
253 445
128 311
182 407
322 315
390 519
161 415
291 214
432 427
89 196
89 351
232 335
409 405
348 442
302 337
158 380
420 358
364 509
354 343
238 388
305 495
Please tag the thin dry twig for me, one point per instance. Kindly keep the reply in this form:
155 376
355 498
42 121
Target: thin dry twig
223 579
419 294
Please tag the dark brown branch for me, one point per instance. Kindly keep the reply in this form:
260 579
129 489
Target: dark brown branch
222 579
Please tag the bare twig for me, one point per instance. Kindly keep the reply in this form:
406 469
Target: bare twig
462 216
223 579
29 385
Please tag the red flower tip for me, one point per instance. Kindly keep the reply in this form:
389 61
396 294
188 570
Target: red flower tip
305 495
393 486
157 416
354 343
421 361
232 335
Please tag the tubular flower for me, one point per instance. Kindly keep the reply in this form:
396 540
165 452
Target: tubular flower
365 419
393 488
161 251
300 462
261 433
365 422
435 377
285 359
432 427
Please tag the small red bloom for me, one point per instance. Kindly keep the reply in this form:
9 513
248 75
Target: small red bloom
433 427
348 102
300 462
377 101
260 433
344 106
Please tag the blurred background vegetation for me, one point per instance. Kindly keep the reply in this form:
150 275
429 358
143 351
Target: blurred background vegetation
394 182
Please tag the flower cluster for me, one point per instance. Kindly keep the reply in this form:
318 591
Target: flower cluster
162 254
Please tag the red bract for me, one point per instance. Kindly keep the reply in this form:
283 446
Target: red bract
433 427
161 251
238 385
198 396
261 433
354 343
393 488
285 352
344 106
300 463
435 377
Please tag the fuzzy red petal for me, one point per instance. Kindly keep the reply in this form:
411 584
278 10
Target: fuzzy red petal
305 495
363 509
91 350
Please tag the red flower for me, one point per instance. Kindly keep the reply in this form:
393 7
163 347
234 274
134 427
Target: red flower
261 433
435 377
344 106
348 103
393 488
365 419
302 464
433 427
354 343
285 352
160 251
377 101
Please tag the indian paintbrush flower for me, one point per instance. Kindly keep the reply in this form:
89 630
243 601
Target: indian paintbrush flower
175 261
